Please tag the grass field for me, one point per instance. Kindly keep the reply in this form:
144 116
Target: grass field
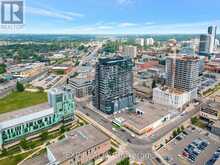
14 160
18 100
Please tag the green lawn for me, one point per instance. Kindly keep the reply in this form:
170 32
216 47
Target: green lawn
18 100
14 160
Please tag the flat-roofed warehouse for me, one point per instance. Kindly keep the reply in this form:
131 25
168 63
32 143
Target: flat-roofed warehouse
81 145
146 118
210 110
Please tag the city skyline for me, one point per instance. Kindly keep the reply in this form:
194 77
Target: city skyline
118 17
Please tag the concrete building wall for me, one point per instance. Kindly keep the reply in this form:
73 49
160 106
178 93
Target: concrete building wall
169 99
150 128
208 116
87 156
130 51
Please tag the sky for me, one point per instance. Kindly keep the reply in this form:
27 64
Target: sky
119 16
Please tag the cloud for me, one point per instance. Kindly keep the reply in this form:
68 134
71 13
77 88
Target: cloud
53 13
127 24
149 23
104 27
144 28
129 28
125 2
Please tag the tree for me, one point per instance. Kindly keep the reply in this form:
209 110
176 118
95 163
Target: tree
62 129
178 130
194 120
19 87
81 47
154 84
111 47
23 143
182 127
4 152
125 161
44 135
2 68
174 133
112 151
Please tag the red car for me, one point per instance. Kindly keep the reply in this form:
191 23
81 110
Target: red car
185 154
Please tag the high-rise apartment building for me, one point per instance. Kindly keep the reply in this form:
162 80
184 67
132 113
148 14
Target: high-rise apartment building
181 83
182 72
113 84
140 41
149 41
130 51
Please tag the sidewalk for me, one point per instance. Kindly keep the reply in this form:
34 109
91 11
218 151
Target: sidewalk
92 108
107 132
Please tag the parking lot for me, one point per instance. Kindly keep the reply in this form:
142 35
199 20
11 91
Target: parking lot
193 147
46 80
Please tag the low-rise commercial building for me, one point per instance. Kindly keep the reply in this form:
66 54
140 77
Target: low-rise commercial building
28 121
62 69
215 128
213 67
80 87
210 111
84 145
146 118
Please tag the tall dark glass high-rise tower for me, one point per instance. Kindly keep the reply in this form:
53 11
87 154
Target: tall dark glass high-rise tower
113 90
207 41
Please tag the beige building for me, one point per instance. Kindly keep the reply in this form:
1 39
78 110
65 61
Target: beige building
83 145
81 87
211 111
130 51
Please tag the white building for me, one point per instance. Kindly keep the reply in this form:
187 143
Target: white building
149 41
173 99
130 51
140 41
217 43
57 56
